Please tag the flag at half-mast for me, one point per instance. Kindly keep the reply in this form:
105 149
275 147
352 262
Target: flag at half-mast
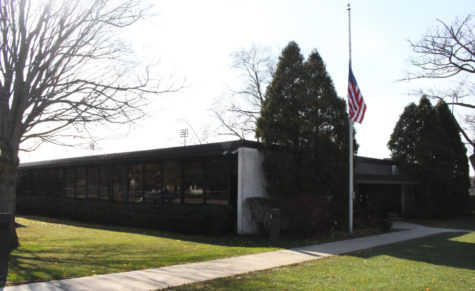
355 99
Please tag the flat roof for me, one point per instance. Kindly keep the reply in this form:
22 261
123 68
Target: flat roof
207 150
182 152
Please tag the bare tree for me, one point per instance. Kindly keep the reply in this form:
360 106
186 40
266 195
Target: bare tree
243 106
62 66
448 52
200 135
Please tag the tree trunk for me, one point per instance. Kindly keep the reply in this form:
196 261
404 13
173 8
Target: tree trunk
8 182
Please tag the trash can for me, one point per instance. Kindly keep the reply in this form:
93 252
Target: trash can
4 246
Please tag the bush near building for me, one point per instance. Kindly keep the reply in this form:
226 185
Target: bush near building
195 219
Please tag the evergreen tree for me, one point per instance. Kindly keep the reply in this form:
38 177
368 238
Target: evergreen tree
456 162
427 145
304 129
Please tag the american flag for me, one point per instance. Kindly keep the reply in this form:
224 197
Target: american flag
355 99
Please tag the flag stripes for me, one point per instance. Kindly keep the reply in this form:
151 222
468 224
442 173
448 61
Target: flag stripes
355 99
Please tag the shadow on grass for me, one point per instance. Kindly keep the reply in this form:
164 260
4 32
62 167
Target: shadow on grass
229 240
226 240
439 250
461 222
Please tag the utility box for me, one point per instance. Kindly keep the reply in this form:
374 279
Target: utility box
4 246
274 226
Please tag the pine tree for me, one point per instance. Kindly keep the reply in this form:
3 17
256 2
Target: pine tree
303 127
427 145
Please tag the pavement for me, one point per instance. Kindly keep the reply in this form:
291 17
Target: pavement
172 276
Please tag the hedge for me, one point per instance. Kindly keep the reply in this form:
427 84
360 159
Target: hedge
195 219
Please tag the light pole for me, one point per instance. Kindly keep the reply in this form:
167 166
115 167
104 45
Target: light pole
184 135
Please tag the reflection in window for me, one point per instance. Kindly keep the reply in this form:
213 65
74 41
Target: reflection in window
81 183
70 179
172 182
152 186
194 182
92 183
135 183
104 182
217 182
119 183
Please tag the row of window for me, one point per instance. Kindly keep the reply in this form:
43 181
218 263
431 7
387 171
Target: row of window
184 182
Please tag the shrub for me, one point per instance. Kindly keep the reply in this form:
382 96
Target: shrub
196 219
306 215
260 210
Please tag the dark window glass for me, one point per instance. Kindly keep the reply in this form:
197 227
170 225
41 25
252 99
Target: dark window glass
50 182
92 183
171 182
119 183
135 183
41 181
217 182
104 182
69 187
81 183
26 183
194 182
34 182
152 186
59 185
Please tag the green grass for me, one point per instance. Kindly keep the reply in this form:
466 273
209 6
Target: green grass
55 249
52 249
441 262
461 222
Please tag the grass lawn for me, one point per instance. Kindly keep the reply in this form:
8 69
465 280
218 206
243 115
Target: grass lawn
461 222
440 262
54 249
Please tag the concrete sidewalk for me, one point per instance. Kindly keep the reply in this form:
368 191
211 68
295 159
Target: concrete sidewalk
176 275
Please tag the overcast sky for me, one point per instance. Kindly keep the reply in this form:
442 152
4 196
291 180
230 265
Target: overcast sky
194 40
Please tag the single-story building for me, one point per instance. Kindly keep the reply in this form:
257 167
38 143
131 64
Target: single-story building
224 173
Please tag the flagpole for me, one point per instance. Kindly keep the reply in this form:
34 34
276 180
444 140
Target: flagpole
350 188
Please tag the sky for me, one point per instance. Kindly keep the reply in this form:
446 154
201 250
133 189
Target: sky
191 43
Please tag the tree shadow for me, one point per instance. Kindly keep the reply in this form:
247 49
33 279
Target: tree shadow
440 250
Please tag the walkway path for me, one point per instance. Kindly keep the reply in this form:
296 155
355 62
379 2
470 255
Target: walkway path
176 275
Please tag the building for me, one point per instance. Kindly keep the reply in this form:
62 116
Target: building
225 173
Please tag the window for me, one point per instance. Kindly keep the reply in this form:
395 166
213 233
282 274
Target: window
92 183
135 183
119 183
41 181
59 185
217 172
171 182
81 183
104 181
70 180
50 182
25 183
194 182
153 183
